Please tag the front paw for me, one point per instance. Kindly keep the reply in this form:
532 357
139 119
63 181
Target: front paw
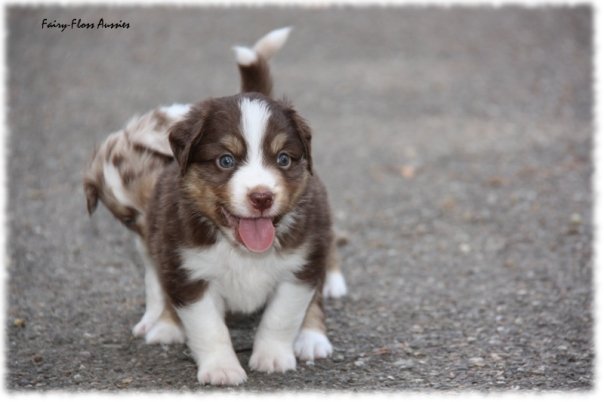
221 370
311 345
273 357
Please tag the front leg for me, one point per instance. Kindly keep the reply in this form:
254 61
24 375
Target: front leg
274 342
209 340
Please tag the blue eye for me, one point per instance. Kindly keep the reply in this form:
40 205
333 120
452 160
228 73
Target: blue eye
283 160
226 161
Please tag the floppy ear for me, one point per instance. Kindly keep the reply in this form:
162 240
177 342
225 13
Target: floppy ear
185 135
92 195
302 131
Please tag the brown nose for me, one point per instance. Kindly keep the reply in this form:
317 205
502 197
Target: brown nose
261 200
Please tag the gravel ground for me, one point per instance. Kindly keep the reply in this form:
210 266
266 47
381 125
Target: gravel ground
455 142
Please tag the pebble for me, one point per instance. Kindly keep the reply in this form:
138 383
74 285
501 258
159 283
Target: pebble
477 361
465 248
126 380
19 322
575 219
404 364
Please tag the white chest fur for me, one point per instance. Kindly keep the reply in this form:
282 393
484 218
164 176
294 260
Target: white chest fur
244 280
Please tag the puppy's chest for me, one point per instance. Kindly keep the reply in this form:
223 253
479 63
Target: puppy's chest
243 279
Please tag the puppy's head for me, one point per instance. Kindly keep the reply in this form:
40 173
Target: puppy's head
245 162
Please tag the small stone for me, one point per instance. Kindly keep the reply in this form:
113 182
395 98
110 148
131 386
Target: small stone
404 364
452 374
495 181
407 171
37 359
359 363
465 248
495 357
126 380
417 329
575 222
19 322
575 219
477 361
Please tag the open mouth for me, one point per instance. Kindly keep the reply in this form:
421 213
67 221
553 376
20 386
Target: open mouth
256 234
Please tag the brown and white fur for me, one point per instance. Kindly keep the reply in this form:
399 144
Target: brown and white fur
239 222
123 172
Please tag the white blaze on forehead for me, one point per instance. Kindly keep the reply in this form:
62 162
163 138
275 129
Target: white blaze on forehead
254 120
255 115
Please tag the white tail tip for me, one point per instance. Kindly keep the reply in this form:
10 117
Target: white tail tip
245 56
270 43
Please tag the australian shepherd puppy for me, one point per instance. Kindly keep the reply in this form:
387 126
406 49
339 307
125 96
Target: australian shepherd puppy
122 174
230 216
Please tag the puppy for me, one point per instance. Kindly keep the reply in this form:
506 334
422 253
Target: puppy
123 172
241 221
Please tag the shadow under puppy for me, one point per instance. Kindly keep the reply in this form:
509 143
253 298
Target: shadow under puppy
123 174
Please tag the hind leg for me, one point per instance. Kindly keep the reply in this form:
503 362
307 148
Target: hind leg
154 297
312 342
159 324
335 284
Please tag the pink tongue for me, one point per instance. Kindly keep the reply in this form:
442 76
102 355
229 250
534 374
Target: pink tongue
256 234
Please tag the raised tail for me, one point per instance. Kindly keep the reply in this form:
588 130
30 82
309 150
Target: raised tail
253 62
